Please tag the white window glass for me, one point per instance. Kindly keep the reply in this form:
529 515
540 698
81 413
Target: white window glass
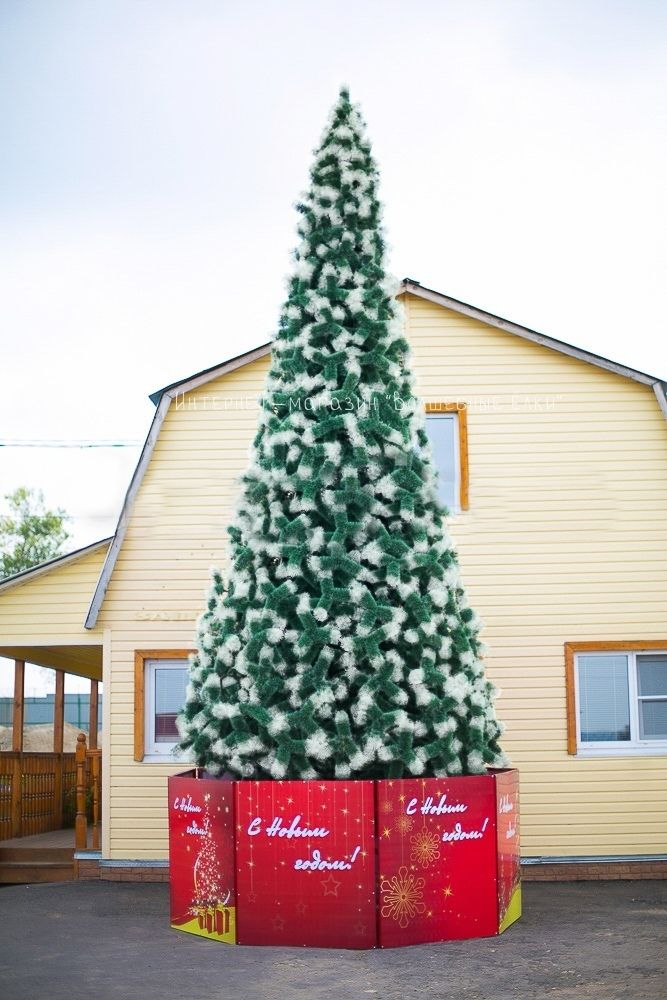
622 702
442 430
604 702
652 693
166 681
170 685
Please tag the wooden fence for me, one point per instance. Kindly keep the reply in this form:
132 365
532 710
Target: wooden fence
38 791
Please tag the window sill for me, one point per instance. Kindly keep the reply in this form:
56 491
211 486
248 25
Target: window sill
162 758
656 750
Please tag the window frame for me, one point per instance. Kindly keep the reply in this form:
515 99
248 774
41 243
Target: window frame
635 746
461 412
144 699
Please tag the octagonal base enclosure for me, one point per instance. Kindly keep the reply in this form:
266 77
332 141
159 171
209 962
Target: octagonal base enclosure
344 864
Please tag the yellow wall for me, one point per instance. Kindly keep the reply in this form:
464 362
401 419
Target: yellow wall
176 533
565 539
50 607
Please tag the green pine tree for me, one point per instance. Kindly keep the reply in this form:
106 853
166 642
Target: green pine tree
341 644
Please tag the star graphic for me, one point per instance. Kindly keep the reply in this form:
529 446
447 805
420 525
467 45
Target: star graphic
278 924
386 832
331 886
301 907
448 891
359 928
345 811
251 897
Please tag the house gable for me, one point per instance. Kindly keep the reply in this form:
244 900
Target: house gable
409 290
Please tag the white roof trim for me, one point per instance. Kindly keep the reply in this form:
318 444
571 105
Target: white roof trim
119 537
167 395
659 390
414 288
201 378
46 567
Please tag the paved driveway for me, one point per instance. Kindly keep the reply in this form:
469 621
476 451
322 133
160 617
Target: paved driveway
108 941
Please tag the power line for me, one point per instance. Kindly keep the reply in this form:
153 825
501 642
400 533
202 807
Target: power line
9 443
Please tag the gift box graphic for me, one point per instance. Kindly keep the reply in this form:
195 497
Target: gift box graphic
201 857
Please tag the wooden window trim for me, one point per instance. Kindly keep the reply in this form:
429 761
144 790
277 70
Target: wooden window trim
461 409
571 650
140 657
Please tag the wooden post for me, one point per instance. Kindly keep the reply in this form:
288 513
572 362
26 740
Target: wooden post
17 718
59 712
93 715
81 823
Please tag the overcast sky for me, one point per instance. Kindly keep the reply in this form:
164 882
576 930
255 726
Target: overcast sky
152 151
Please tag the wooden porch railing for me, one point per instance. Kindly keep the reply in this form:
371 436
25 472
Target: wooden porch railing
40 792
88 785
33 790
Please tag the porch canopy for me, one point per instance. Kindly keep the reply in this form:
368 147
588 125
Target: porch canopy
42 614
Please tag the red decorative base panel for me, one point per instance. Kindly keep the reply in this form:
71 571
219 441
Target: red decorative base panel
344 864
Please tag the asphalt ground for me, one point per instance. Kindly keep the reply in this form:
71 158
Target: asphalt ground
112 941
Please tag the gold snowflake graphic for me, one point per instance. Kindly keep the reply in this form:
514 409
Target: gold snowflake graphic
386 806
425 848
402 897
403 824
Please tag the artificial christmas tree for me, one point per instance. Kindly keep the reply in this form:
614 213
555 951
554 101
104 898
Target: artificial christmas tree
338 678
342 644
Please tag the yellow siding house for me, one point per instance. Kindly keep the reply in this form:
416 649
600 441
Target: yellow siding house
554 462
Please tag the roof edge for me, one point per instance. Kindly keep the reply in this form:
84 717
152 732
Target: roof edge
660 390
412 287
121 527
207 374
164 398
46 567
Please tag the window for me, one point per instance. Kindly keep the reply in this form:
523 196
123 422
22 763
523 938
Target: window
160 679
617 698
447 427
